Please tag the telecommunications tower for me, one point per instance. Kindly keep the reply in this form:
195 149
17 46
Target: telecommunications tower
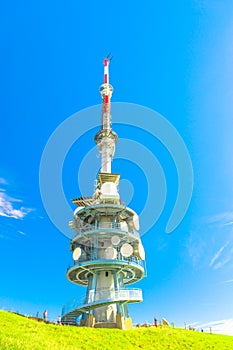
108 255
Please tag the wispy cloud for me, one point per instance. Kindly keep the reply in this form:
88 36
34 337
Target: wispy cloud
194 324
22 233
12 213
222 219
11 207
222 263
221 327
210 243
8 207
3 181
217 255
228 223
228 281
196 247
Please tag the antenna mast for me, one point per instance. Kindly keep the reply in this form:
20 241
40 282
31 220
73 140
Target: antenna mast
106 138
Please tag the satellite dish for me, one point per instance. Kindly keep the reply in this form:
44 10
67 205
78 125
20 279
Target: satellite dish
115 240
126 250
110 253
77 220
136 222
139 251
124 226
77 253
77 210
109 188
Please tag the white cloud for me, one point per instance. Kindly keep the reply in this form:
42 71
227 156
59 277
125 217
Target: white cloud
3 181
220 327
8 209
218 254
196 247
194 324
222 263
22 233
228 281
228 223
222 219
210 242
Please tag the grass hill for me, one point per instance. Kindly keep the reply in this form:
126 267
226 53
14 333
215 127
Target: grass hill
20 333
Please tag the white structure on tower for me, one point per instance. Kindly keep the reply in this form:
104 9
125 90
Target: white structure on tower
107 250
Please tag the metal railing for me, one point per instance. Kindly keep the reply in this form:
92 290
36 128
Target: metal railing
94 257
119 295
99 297
105 226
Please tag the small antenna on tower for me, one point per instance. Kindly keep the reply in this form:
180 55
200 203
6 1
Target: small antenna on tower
110 56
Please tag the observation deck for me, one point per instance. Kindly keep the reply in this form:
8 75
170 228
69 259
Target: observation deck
133 270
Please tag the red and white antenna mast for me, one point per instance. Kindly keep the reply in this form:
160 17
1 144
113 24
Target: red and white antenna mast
106 138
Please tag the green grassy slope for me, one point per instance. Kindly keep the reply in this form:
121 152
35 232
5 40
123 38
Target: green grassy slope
20 333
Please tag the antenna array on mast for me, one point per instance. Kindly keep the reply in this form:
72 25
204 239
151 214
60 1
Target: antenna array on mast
106 138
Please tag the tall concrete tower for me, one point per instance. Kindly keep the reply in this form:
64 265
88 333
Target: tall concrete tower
107 250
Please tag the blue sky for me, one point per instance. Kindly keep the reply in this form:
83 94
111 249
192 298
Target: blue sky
174 57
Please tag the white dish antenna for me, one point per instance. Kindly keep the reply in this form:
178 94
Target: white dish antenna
109 188
77 210
115 240
136 222
139 251
77 220
126 250
110 253
77 253
124 226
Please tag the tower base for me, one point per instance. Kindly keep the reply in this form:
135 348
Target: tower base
121 322
89 322
105 325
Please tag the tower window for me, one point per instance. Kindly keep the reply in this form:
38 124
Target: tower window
106 274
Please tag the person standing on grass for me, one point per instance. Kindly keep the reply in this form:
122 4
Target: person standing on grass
45 315
155 322
58 319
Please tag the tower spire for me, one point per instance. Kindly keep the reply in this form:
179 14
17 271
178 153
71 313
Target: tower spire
106 138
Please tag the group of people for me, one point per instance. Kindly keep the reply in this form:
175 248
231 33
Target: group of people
147 324
45 315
